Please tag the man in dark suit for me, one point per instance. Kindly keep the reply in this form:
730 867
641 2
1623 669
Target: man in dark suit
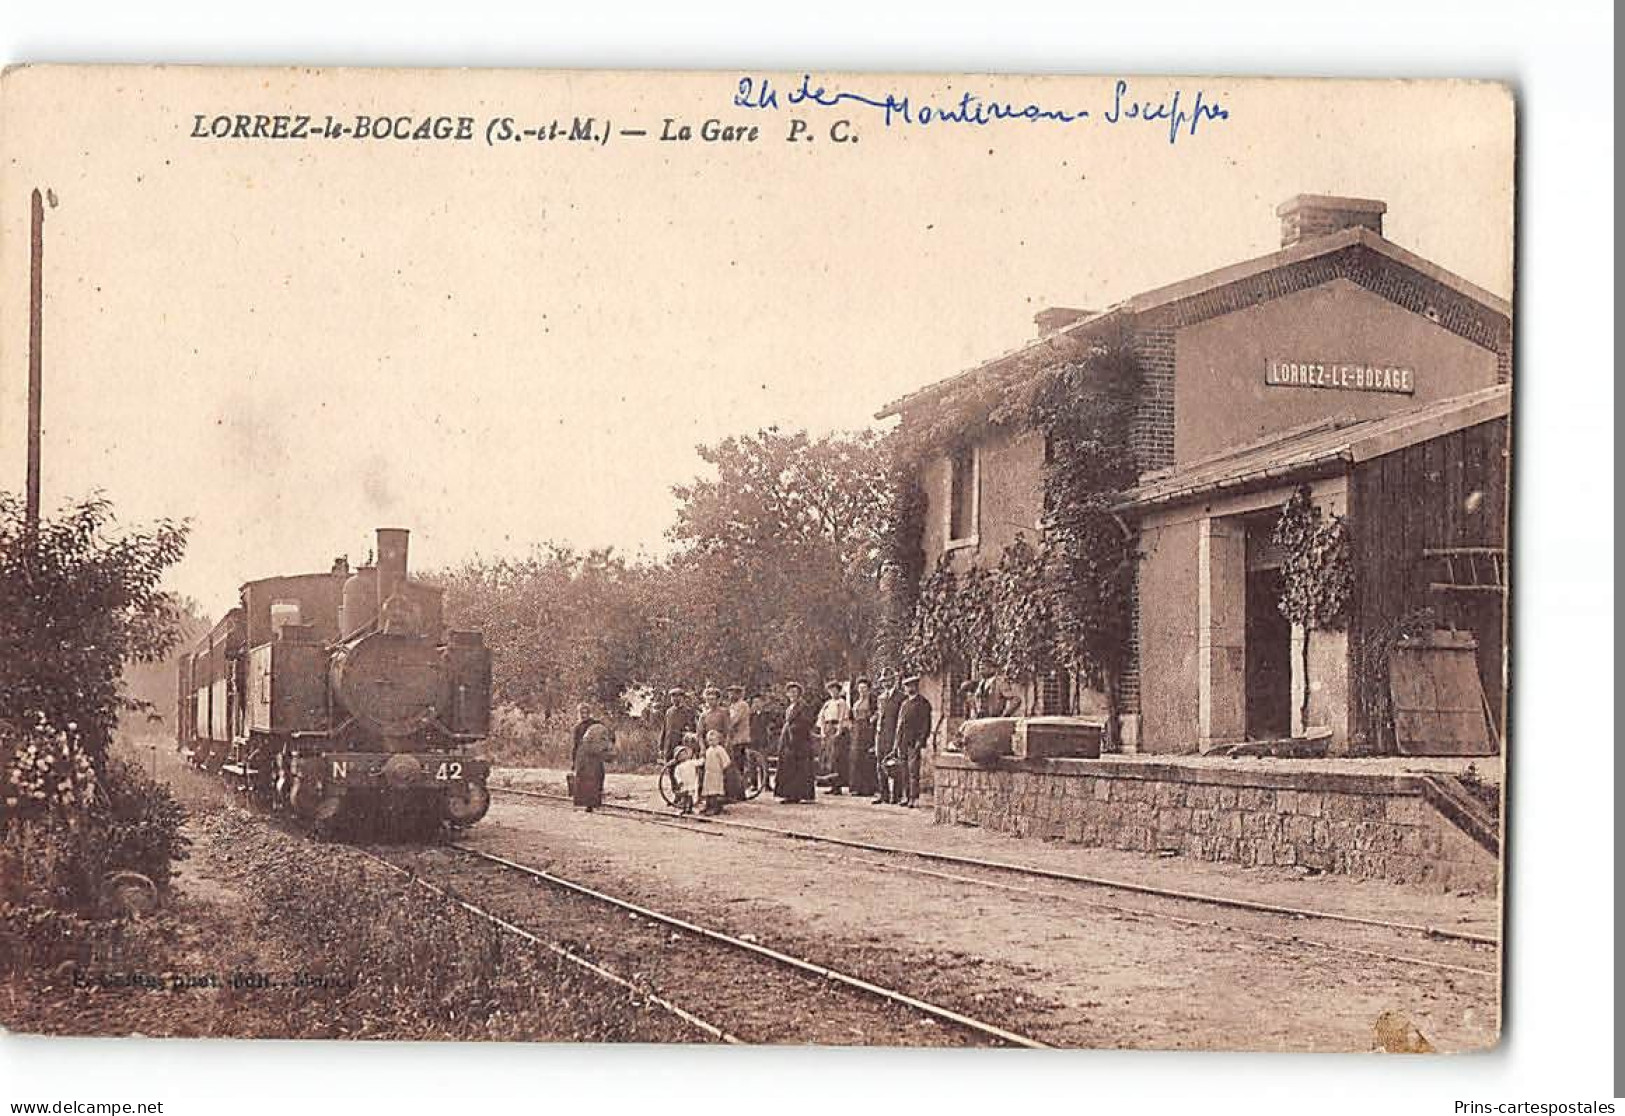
888 761
913 734
679 720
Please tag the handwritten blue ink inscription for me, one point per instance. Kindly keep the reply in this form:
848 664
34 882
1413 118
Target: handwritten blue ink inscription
1177 115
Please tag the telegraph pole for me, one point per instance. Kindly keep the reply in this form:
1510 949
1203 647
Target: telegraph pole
36 259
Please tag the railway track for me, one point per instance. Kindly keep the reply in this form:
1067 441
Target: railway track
987 868
843 1000
645 995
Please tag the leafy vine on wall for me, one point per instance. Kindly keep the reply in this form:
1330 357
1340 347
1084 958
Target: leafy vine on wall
1066 599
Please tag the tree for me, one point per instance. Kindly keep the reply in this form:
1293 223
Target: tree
780 553
150 686
1317 573
561 625
78 600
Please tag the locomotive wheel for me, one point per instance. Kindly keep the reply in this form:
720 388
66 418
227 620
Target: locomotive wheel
305 796
328 815
466 803
329 808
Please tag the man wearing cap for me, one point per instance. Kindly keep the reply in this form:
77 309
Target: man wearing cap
835 732
794 782
738 738
913 734
888 760
679 720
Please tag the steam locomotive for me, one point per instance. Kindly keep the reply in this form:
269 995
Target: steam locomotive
339 695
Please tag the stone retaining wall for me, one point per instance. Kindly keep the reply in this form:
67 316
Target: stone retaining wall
1373 826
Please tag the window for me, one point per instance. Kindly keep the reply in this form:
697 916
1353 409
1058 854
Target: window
962 495
954 682
1055 693
283 612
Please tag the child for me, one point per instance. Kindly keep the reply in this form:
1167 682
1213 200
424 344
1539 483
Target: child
717 761
687 775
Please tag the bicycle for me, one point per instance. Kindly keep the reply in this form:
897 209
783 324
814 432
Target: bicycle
754 771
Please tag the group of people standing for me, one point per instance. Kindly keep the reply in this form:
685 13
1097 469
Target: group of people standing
872 743
733 725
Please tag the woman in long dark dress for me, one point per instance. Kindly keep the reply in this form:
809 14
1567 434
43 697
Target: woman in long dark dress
861 776
585 721
587 784
794 782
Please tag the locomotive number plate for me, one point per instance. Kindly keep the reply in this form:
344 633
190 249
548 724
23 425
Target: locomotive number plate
448 771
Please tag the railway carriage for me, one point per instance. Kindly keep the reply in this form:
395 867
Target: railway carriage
342 693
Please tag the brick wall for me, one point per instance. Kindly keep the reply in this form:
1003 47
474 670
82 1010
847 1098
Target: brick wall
1152 437
1371 826
1416 292
1128 681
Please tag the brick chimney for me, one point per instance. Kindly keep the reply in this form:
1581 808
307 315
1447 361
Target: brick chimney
1310 215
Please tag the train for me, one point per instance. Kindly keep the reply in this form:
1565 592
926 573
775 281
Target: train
342 695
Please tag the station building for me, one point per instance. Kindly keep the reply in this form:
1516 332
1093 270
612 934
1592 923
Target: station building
1380 382
1341 362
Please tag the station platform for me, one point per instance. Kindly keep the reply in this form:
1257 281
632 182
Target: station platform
1486 768
1428 821
858 819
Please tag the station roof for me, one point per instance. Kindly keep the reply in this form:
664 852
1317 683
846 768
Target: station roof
1322 447
1071 337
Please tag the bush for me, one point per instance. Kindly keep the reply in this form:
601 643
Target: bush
139 823
58 858
79 598
48 862
37 940
43 770
520 739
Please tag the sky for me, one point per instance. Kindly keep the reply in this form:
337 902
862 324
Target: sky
291 343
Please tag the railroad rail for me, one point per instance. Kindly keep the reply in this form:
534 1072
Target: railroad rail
789 961
699 1023
715 825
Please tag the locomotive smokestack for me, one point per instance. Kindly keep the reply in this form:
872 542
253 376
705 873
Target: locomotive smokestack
391 561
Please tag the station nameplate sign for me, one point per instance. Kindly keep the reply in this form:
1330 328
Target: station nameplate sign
1340 376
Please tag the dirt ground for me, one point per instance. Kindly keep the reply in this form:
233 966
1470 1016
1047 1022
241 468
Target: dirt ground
268 934
858 820
1068 964
1064 969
